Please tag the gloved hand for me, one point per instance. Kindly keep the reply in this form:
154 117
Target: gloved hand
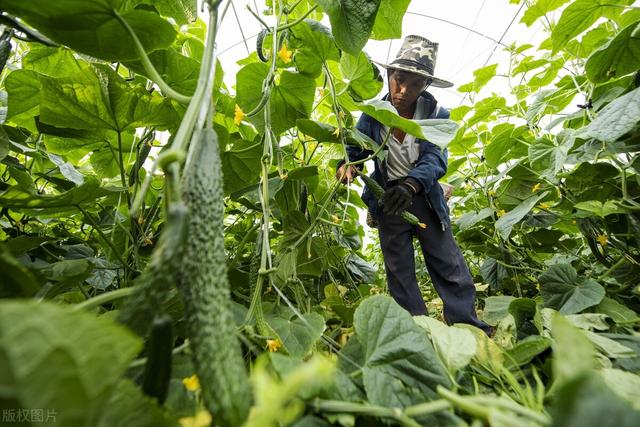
396 199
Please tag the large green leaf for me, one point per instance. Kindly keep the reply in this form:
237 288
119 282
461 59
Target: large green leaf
178 71
17 279
437 131
616 119
620 313
351 21
561 289
455 346
625 384
361 75
586 401
506 222
241 165
539 9
524 351
313 44
470 219
297 335
56 358
400 366
482 76
91 27
101 100
580 15
388 23
620 56
291 98
182 11
51 61
609 207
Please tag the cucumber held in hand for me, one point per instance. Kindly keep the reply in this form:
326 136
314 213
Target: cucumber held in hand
408 217
205 291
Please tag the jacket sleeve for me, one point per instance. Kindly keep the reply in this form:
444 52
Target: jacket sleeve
432 163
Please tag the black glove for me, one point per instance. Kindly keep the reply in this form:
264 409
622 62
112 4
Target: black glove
396 199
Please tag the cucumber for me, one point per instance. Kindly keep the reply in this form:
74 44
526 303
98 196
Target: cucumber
204 287
157 371
156 281
377 190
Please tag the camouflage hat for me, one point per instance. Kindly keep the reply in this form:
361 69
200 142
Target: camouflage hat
418 55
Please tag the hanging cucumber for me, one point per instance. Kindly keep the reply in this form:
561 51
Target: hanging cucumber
408 217
204 286
157 371
156 281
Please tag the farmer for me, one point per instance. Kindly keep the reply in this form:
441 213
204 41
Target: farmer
409 174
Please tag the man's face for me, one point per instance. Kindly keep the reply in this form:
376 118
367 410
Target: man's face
404 88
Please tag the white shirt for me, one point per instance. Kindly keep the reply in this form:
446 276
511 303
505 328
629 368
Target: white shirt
402 155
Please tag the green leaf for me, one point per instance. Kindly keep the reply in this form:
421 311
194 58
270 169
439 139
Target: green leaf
388 23
586 401
351 21
363 270
297 335
539 9
102 101
609 207
241 165
625 384
313 44
616 119
493 273
580 15
505 143
496 309
620 56
104 163
178 71
573 353
524 351
291 98
51 61
66 169
589 321
482 76
362 76
66 360
437 131
303 172
16 197
455 346
610 348
400 366
128 407
506 222
525 310
182 11
561 289
620 313
470 219
23 88
17 279
91 27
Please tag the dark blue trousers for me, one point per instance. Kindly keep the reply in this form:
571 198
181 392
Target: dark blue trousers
447 268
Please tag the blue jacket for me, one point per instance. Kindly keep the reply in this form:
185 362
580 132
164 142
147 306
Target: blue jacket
428 169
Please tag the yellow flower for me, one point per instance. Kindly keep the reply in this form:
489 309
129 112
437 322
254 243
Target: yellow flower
192 383
285 54
602 239
238 116
492 193
202 419
501 212
544 205
538 286
535 188
273 345
335 219
336 132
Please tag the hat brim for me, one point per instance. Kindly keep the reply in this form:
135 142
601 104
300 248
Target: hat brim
435 81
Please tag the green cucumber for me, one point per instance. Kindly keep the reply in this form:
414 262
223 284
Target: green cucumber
157 370
154 285
204 287
377 191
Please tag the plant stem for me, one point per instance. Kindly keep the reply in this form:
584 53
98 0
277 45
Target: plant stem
104 298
